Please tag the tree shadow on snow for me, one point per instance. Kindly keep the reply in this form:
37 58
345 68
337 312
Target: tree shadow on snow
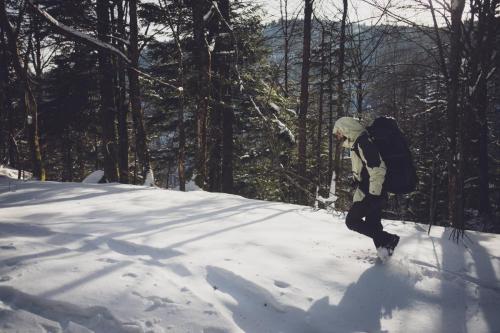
378 292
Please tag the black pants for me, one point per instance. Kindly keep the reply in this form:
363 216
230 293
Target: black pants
370 209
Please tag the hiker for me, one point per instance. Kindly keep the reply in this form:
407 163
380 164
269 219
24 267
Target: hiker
369 172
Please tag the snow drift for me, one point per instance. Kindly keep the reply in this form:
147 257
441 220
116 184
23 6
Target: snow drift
122 258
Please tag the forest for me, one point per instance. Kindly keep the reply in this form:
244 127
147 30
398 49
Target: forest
219 95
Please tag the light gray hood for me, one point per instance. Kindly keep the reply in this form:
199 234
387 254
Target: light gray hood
350 128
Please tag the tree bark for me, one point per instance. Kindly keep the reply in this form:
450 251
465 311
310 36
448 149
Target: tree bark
487 34
455 181
6 127
30 105
201 56
286 46
135 96
180 113
340 86
214 140
108 110
320 110
304 94
123 106
226 98
330 110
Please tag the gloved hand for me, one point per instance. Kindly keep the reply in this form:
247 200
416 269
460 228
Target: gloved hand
353 182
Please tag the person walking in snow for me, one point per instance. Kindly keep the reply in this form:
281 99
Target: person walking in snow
369 171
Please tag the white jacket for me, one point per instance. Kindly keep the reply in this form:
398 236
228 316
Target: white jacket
367 166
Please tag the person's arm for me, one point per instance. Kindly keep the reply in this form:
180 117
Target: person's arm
369 154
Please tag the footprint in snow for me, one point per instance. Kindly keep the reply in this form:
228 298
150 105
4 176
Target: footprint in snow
214 330
155 302
108 260
281 284
132 275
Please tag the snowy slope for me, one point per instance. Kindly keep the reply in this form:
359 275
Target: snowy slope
120 258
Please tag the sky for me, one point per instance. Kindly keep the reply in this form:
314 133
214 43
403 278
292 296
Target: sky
359 10
115 258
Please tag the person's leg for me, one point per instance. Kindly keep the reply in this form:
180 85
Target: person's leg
381 237
354 218
374 218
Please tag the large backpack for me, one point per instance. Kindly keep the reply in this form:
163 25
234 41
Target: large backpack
401 176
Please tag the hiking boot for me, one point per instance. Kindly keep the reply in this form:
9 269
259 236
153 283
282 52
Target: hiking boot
391 245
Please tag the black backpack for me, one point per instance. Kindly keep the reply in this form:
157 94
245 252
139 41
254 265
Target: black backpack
401 176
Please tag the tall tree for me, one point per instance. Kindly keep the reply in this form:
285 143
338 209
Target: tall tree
180 113
7 140
304 91
122 104
202 63
225 95
340 85
323 59
286 42
483 33
108 109
29 101
455 153
135 98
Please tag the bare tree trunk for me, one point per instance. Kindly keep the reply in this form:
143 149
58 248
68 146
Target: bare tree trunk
66 144
214 175
182 135
286 36
135 97
180 113
330 110
496 102
214 130
30 105
486 37
201 56
304 94
320 110
6 127
226 96
340 85
123 106
455 181
108 111
442 62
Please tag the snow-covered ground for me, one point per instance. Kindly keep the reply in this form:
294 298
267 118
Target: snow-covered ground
121 258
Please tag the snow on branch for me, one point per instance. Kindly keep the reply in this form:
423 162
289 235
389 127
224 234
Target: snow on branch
284 130
210 12
119 39
70 32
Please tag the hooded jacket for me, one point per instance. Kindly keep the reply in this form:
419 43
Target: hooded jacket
367 166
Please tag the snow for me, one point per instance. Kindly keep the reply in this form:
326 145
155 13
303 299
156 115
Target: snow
284 129
78 257
275 107
190 186
13 174
94 178
150 179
